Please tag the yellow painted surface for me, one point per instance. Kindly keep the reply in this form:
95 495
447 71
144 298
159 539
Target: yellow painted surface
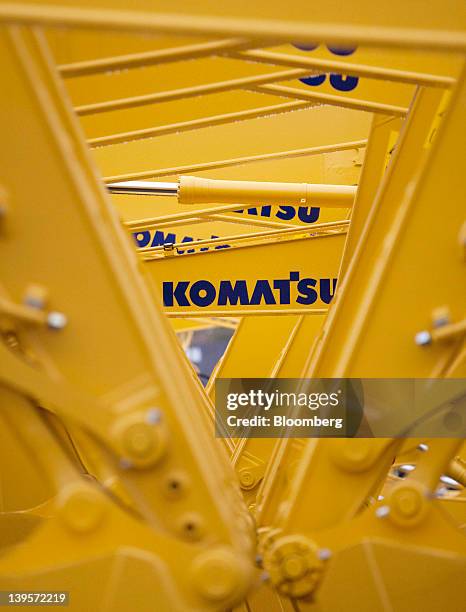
112 484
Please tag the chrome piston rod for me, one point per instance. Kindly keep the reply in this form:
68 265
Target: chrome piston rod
144 188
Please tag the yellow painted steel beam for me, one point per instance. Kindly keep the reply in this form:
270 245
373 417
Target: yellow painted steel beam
150 58
122 397
187 92
405 164
382 142
192 124
438 263
440 27
238 161
139 97
112 85
324 126
187 113
242 240
346 67
141 106
375 58
406 217
325 98
172 220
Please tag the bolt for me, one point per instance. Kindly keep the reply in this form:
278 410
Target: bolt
34 301
56 320
154 416
423 447
265 577
125 463
382 511
423 338
259 560
324 554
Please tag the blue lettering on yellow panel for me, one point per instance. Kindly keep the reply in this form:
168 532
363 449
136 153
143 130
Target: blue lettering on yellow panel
337 81
154 238
204 293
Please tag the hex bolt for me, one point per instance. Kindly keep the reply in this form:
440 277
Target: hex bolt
382 511
324 554
423 338
154 416
265 577
34 301
125 463
56 320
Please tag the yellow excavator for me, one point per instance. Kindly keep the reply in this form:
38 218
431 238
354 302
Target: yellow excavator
293 174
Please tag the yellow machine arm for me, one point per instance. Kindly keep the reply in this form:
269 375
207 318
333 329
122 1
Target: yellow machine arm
75 290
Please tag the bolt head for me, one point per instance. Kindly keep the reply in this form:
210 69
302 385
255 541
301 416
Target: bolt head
56 320
154 416
324 554
34 301
265 577
423 338
382 511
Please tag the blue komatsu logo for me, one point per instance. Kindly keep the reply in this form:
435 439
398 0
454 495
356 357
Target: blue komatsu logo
337 81
305 214
204 293
158 238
